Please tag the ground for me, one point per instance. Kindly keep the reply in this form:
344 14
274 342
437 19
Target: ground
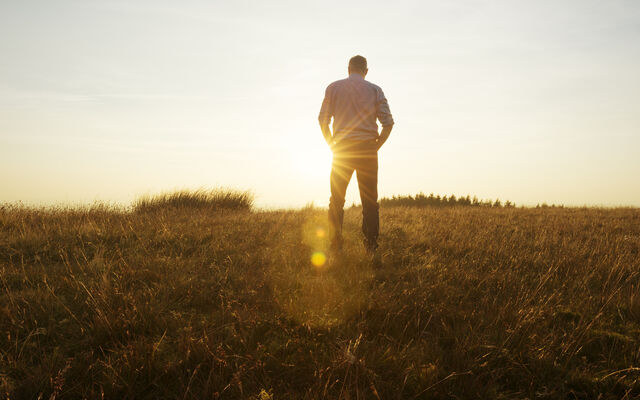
467 302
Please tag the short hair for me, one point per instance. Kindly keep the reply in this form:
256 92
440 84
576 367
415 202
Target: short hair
358 63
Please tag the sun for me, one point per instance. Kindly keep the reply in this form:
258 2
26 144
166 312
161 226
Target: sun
310 157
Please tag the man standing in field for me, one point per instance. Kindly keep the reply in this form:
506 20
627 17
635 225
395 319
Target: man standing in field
355 104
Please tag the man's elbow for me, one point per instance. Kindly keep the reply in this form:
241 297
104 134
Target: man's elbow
324 119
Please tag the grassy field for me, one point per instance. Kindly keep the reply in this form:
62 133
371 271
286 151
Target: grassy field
198 302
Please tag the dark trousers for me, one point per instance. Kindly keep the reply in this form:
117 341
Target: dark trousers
362 157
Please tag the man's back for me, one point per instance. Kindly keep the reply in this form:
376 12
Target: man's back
355 104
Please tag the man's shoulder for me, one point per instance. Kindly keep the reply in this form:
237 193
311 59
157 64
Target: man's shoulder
337 83
374 86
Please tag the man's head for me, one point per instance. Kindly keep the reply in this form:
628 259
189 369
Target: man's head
358 65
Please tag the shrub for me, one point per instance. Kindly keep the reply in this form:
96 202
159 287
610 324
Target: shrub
213 199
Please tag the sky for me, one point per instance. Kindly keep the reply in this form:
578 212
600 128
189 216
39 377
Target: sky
527 101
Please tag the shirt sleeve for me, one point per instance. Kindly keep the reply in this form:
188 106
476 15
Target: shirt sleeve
326 111
382 110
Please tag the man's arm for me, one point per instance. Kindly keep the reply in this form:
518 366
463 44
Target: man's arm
326 132
385 118
384 135
326 112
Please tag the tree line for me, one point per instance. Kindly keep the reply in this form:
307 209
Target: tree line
422 200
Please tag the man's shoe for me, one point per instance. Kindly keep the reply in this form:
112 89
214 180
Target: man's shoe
372 252
370 247
336 245
376 260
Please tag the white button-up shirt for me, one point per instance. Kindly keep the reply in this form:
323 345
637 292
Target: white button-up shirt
355 104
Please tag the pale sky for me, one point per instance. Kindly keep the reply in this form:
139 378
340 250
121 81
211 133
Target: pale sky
528 101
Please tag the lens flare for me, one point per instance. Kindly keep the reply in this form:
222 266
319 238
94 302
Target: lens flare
318 259
321 233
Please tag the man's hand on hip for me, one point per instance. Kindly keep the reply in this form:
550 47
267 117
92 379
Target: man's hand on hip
384 135
326 133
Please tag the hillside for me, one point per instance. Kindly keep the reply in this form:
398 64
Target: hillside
192 302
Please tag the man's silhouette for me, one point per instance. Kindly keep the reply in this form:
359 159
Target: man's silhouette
355 104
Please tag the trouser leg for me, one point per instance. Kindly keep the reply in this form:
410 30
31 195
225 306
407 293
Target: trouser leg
341 173
367 174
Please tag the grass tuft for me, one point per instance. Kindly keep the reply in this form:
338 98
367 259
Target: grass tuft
209 199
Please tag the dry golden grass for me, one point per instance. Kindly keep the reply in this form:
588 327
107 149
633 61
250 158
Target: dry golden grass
195 302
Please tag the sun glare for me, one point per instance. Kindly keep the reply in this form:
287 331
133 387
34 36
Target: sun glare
310 158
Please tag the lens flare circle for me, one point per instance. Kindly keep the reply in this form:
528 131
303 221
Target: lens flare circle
318 259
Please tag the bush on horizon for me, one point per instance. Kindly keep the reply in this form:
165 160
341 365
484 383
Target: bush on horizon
213 199
422 200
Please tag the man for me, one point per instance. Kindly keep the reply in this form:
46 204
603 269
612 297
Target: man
355 104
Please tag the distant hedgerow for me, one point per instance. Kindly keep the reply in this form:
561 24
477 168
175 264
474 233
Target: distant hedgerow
196 199
422 200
